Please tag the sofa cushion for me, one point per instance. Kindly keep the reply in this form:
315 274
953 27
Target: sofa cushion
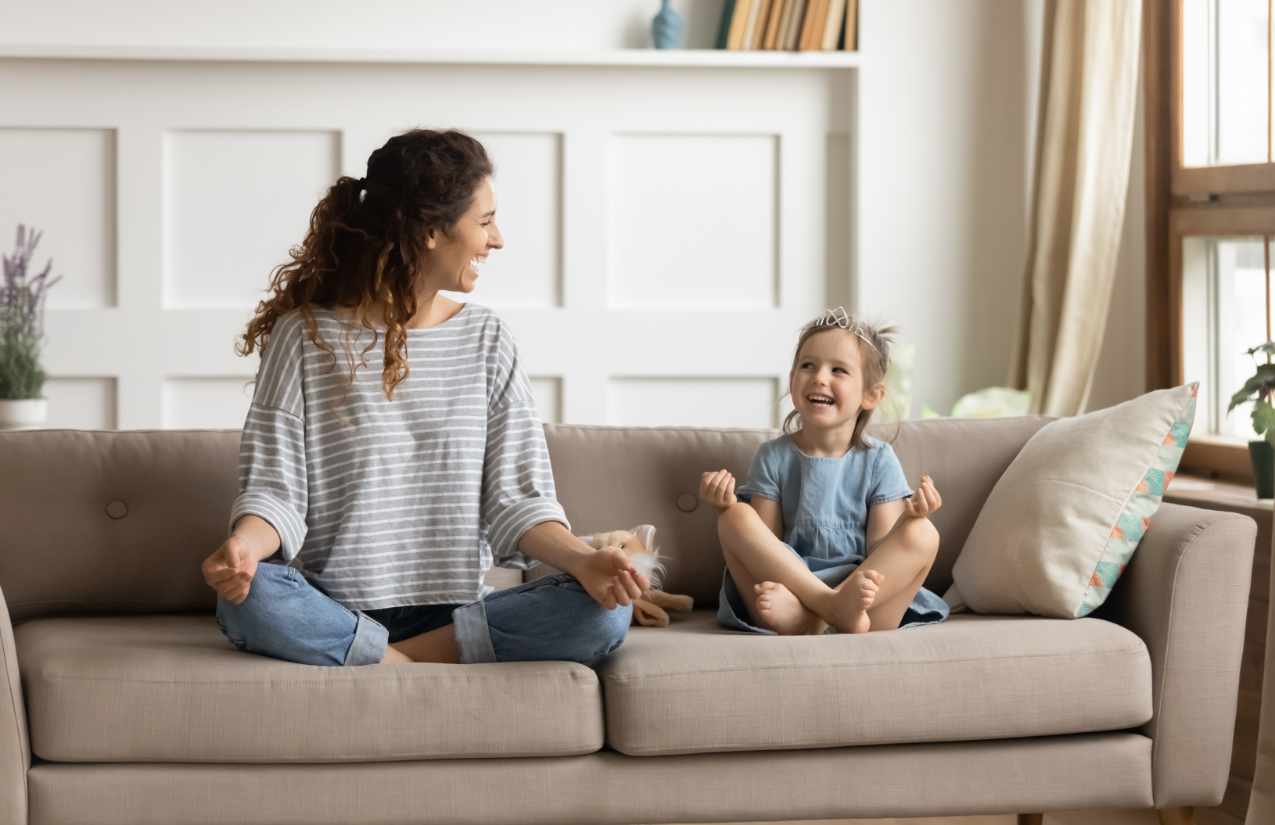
693 687
172 689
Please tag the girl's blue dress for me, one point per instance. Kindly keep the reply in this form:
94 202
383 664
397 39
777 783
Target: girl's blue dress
825 503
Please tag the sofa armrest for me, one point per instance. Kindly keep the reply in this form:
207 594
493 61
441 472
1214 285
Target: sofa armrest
1185 593
15 745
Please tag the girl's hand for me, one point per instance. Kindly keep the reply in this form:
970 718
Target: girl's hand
718 489
610 577
925 500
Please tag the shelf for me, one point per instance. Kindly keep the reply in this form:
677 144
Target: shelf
672 58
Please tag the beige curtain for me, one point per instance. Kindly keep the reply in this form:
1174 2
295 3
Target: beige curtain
1261 804
1088 95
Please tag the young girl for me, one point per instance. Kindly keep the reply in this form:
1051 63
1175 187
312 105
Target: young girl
387 488
827 537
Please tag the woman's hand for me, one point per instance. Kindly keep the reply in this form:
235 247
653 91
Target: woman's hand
610 578
925 500
229 570
718 489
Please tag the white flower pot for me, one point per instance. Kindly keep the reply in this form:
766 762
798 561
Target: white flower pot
23 414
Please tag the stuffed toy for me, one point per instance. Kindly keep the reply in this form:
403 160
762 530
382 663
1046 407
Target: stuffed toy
651 608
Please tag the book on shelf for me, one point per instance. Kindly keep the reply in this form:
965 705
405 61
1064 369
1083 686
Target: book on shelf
769 42
832 25
850 33
723 27
738 20
792 33
785 23
755 13
788 25
812 28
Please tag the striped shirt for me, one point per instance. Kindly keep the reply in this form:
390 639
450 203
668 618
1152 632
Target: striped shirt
405 502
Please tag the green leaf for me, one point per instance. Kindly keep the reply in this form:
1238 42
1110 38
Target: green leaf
1262 383
1263 417
1266 349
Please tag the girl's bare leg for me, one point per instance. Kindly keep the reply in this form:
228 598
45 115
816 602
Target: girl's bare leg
759 556
771 604
905 557
438 645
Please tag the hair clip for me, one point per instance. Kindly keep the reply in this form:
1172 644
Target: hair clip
838 317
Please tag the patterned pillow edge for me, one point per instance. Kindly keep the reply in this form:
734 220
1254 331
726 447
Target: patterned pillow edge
1135 518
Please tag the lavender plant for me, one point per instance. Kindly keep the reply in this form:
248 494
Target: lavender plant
22 320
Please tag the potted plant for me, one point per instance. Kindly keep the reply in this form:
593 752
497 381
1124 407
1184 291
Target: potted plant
1258 389
22 335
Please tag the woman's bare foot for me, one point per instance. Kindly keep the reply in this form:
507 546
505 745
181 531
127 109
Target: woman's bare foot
782 612
853 598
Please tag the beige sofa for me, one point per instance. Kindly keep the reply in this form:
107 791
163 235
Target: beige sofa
124 704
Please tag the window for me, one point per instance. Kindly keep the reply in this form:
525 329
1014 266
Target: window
1211 210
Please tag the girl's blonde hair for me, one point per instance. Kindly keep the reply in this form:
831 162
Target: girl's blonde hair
874 342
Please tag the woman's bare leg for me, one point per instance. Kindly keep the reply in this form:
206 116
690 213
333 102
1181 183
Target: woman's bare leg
438 645
393 656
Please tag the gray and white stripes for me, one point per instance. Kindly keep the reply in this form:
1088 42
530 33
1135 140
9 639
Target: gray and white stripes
388 503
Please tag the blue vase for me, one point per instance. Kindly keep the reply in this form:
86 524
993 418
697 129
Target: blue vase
667 27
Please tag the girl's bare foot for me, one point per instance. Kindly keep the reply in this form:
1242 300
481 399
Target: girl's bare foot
853 598
782 612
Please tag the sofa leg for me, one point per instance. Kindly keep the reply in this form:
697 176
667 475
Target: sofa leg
1176 816
1031 819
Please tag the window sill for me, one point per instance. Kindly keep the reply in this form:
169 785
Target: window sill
1210 457
1217 494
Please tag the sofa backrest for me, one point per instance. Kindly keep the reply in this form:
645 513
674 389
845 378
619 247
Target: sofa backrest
615 477
112 520
107 521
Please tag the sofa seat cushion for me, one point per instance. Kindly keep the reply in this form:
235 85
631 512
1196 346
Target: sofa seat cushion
172 689
693 687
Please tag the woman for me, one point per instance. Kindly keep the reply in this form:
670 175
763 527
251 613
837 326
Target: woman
387 496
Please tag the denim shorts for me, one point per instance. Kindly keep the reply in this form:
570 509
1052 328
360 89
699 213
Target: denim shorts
550 618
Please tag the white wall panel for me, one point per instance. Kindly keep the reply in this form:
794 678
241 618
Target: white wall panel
81 403
235 202
693 221
195 403
839 226
692 401
548 392
212 196
62 182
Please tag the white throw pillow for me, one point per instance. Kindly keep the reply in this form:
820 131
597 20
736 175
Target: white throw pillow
1062 522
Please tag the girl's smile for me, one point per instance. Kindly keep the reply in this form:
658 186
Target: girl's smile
826 386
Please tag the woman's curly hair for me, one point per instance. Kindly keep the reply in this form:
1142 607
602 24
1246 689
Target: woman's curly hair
367 240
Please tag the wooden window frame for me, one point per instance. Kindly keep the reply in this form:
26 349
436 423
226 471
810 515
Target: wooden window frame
1181 202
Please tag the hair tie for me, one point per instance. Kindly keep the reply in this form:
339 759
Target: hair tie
361 183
